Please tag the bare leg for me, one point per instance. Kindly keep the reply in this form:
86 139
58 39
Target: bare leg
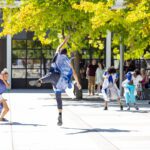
120 103
5 109
98 88
106 105
89 86
93 85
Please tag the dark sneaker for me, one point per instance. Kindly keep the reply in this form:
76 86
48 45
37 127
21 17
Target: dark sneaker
121 107
36 83
136 107
105 108
60 121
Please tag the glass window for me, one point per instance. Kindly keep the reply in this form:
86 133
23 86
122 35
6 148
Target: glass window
19 63
33 73
48 54
34 44
18 73
19 44
18 54
46 47
34 54
33 63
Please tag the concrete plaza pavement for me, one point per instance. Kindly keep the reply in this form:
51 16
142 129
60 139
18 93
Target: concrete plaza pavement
86 126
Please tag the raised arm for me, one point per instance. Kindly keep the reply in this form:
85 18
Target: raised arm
61 45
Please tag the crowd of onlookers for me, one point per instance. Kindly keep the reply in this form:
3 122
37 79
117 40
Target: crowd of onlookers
94 75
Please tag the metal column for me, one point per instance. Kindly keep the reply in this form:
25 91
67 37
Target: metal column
108 49
121 65
9 55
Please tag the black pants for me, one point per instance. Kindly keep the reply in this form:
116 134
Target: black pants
51 78
59 100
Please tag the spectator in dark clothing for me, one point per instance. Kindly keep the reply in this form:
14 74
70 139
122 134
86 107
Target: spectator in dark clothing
91 71
129 66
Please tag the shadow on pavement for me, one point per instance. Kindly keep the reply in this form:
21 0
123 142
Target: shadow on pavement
20 124
94 130
135 111
76 105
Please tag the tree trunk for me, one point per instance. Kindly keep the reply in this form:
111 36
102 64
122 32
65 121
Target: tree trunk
76 62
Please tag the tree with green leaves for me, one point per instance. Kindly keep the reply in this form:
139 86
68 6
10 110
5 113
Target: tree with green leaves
132 23
86 21
50 21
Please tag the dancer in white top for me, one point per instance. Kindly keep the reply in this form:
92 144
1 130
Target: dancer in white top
110 90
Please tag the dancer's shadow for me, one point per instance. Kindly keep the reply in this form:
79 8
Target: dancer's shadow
94 130
21 124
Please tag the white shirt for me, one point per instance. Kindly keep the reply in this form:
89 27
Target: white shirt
136 80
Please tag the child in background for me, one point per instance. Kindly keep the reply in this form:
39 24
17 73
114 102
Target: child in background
129 91
3 86
110 90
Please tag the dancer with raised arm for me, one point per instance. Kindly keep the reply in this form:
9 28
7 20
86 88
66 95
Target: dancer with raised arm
60 75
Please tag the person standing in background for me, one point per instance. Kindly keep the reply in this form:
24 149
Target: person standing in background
137 79
99 77
145 78
91 71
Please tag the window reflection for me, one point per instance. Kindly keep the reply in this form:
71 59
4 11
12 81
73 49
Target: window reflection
48 54
33 63
33 53
19 63
30 60
33 73
18 54
16 44
18 73
34 44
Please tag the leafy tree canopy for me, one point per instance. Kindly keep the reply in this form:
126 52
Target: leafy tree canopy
132 23
85 20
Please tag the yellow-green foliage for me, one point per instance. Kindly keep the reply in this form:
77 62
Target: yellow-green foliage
85 20
132 23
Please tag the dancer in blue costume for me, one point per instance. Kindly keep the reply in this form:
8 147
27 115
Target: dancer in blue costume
129 91
3 87
110 90
60 76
